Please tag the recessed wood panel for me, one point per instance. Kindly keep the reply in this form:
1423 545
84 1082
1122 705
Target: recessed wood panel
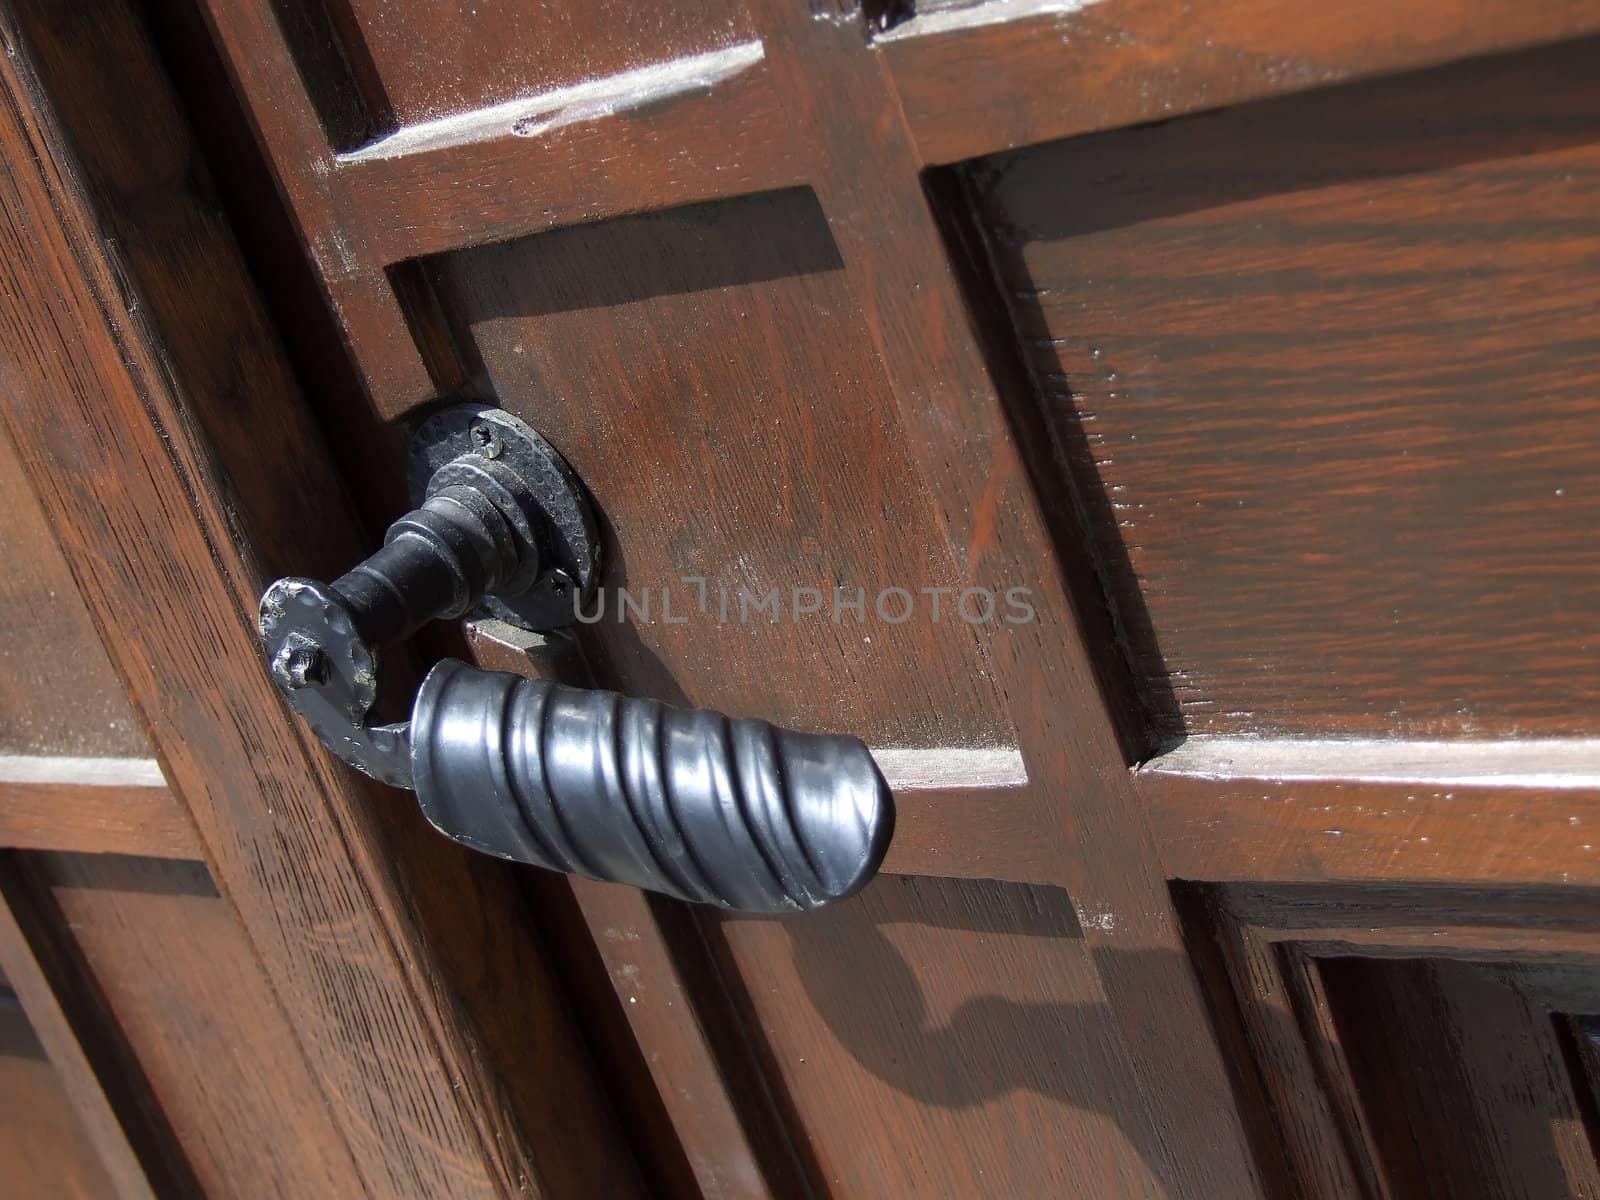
58 692
1463 1080
44 1152
1411 1043
1326 372
707 372
197 1013
942 1038
448 56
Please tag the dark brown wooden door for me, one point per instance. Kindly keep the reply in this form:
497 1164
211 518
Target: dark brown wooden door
1166 434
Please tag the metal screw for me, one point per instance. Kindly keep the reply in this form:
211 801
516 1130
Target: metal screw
486 438
300 663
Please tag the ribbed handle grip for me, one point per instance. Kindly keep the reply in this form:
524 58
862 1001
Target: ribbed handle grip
735 813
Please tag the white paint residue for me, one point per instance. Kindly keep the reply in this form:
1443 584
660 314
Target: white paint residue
1102 920
991 12
84 772
529 116
952 766
1520 762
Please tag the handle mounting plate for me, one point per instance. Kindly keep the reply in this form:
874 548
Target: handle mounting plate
507 451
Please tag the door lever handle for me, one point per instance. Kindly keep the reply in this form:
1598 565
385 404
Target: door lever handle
689 803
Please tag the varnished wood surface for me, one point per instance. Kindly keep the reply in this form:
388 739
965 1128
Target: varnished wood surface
70 1024
51 811
362 216
1308 1120
970 833
500 53
610 152
954 1046
1410 1036
1333 411
698 140
962 442
218 1056
1465 1084
669 1012
152 469
58 691
669 1037
1335 830
944 1039
1108 63
659 355
837 116
44 1153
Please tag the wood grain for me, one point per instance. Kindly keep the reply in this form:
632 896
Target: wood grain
944 1039
214 1051
1553 921
58 691
44 1153
1325 1041
1409 1034
656 353
705 135
1102 64
154 478
1307 832
522 50
1272 371
1314 1136
1463 1080
363 215
669 1012
958 432
970 833
671 1039
95 818
1293 810
255 49
131 1142
927 1032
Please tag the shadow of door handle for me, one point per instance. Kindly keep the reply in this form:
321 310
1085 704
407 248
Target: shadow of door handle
690 803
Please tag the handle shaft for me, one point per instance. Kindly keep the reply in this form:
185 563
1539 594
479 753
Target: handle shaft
735 813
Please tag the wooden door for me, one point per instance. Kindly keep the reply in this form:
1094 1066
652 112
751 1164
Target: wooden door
1229 375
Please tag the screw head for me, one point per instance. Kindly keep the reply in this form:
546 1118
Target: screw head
300 663
486 439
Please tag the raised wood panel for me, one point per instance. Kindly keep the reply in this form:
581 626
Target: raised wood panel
503 51
44 1152
1332 410
707 374
945 1039
56 804
673 131
958 431
1305 810
1000 74
58 691
712 127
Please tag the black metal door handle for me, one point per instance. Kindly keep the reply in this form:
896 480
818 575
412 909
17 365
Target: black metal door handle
731 812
